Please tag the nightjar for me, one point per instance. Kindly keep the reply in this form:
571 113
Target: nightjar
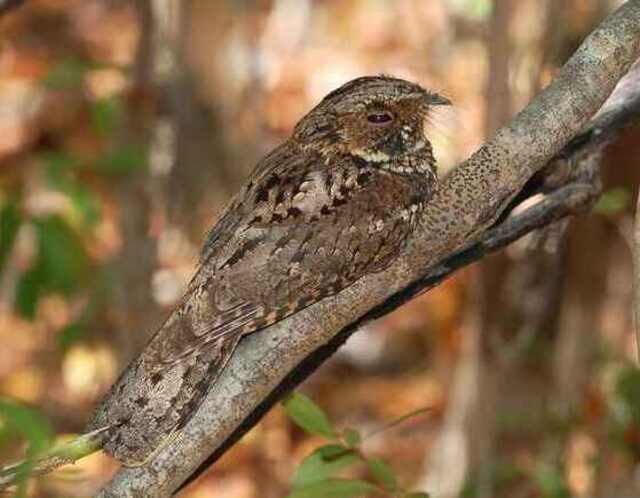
333 203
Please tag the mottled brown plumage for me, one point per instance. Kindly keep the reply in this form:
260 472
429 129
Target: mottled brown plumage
335 202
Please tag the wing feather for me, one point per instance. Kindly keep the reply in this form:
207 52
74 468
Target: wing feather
299 244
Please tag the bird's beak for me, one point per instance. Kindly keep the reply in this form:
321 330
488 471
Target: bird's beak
435 99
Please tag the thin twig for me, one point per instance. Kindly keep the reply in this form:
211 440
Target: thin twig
56 457
397 421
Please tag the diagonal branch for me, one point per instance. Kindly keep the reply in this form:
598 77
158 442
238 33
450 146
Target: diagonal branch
468 203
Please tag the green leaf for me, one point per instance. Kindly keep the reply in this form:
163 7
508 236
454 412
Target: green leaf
319 467
62 260
9 224
28 291
60 266
416 494
552 482
106 115
67 74
27 422
473 9
331 451
61 175
71 334
85 203
57 167
352 438
628 390
612 201
309 416
335 488
32 426
124 159
382 473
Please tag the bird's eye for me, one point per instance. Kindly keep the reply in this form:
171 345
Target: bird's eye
380 118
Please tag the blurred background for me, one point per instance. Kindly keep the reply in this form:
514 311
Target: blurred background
126 125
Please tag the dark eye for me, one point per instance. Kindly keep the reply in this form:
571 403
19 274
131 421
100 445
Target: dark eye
380 118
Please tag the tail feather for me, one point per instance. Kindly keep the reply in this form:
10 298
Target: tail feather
146 408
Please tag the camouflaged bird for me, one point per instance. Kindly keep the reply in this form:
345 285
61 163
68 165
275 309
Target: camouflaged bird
333 203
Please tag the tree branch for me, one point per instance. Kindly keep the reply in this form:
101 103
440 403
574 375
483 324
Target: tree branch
467 204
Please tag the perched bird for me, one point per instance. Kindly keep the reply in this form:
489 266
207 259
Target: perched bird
333 203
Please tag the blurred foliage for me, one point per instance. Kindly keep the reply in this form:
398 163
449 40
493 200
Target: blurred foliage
68 74
16 419
613 201
552 482
475 9
9 224
61 264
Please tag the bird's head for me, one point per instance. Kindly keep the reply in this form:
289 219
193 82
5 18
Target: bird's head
376 118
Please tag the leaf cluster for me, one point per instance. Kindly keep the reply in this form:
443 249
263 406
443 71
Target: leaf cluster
321 474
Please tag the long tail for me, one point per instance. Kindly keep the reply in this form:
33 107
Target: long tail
147 406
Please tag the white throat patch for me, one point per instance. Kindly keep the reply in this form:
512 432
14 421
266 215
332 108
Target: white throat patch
372 157
381 157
